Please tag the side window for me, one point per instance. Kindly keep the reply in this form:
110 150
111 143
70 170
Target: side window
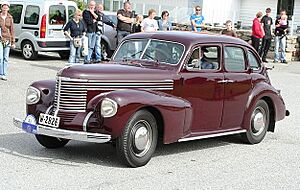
234 59
32 15
205 57
16 11
254 64
57 15
71 11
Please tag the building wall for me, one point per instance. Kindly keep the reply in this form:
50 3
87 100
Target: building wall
218 11
249 8
296 14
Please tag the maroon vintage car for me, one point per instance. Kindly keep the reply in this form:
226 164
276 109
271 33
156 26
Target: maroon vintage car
177 86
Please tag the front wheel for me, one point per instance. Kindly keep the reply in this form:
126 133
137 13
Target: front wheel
51 142
28 51
259 123
137 143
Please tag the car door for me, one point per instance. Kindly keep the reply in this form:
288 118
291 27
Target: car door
202 89
237 84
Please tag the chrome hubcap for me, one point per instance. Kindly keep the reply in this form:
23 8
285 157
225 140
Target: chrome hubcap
142 138
258 121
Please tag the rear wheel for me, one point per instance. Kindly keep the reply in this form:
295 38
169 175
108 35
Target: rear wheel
259 123
51 142
137 143
28 51
106 52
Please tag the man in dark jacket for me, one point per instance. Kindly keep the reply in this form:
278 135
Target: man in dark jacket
125 19
90 19
267 23
280 37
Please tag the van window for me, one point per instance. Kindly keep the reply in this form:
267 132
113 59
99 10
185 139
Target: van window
71 11
16 10
57 14
32 15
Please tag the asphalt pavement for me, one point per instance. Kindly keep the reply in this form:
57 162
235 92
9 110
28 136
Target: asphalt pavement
218 163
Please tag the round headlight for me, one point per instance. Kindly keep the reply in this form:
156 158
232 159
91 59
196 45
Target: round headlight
33 95
108 107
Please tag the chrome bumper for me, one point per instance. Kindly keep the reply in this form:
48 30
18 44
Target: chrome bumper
62 133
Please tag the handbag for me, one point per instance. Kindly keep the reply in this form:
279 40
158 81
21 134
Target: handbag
85 46
77 42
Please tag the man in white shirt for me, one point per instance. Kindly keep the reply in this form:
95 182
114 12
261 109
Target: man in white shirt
149 24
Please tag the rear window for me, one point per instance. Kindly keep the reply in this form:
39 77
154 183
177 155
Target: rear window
32 15
16 11
57 14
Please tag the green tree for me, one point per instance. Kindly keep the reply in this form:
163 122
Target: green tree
80 3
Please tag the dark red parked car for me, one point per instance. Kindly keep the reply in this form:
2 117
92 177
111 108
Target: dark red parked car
178 86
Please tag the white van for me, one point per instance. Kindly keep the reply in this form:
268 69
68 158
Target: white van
39 26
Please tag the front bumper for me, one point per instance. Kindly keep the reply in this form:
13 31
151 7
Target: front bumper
61 133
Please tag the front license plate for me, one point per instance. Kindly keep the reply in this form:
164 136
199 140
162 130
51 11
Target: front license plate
49 120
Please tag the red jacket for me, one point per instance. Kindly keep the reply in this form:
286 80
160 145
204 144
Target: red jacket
257 30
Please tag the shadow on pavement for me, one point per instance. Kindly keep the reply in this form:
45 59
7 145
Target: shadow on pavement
41 56
78 153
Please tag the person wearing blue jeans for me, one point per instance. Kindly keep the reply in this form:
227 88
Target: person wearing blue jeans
125 19
77 30
90 18
280 38
7 38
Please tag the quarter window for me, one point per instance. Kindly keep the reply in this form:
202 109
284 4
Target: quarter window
16 11
57 15
71 11
32 15
253 61
234 59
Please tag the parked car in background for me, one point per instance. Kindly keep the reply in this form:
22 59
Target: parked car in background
177 86
109 38
38 26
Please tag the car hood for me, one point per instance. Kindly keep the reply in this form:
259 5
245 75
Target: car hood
112 71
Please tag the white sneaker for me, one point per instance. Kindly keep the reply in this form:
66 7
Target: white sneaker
4 78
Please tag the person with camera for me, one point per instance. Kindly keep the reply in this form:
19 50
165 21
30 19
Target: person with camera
90 18
281 30
75 29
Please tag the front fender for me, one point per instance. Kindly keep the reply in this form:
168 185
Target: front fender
176 112
273 98
47 89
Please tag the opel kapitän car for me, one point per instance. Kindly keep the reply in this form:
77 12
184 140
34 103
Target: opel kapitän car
175 86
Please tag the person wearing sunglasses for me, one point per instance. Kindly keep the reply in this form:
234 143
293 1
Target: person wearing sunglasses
197 20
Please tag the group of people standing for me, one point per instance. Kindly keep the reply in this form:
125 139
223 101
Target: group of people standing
91 25
262 34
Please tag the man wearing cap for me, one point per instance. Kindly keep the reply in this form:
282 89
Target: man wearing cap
7 38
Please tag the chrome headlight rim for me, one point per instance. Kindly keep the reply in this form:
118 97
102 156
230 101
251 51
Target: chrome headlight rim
113 106
38 95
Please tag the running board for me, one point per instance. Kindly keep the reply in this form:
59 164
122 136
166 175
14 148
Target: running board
212 135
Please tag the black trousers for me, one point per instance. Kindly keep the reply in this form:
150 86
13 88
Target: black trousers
265 46
255 42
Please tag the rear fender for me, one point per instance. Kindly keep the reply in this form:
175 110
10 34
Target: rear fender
272 97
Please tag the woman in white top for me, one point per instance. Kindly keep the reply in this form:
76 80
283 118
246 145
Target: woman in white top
149 24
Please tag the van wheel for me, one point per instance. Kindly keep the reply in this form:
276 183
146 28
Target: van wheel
28 51
64 54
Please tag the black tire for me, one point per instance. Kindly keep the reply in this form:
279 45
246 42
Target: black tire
28 51
259 123
133 151
64 54
51 142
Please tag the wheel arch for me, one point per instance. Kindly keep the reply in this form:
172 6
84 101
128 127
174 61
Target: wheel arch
272 115
159 119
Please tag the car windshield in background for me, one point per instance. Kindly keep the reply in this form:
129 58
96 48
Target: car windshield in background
155 50
57 14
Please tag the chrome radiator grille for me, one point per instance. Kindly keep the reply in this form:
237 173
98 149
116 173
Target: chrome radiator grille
71 94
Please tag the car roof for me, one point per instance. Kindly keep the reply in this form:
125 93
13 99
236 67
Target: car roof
189 38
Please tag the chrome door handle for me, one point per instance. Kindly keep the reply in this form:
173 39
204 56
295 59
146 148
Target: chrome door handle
222 81
225 81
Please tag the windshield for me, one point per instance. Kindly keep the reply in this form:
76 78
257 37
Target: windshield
155 50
